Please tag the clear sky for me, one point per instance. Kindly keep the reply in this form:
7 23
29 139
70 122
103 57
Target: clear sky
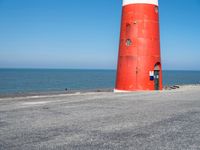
85 33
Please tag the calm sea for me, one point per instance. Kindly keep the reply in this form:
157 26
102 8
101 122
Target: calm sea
22 81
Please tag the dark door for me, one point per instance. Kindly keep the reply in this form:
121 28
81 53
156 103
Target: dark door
156 79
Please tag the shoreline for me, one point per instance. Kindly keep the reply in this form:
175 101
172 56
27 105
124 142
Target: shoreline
72 92
52 93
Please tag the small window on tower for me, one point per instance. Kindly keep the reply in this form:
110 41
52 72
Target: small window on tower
156 9
128 27
128 42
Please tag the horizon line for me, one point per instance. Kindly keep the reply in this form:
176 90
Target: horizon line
35 68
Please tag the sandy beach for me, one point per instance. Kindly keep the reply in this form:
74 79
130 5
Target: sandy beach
168 119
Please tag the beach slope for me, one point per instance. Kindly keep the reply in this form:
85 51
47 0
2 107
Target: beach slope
144 120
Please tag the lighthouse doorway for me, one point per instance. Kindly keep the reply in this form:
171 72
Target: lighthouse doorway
156 80
157 76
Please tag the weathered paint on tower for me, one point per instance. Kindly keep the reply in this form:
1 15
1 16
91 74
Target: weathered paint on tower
139 60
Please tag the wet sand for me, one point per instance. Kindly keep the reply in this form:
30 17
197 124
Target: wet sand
169 119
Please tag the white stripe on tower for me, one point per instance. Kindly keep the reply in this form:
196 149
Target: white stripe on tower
127 2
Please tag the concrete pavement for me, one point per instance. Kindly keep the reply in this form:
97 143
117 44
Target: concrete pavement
143 121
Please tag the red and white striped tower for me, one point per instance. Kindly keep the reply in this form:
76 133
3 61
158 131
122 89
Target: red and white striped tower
139 61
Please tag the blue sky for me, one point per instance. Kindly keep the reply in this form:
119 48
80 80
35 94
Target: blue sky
85 34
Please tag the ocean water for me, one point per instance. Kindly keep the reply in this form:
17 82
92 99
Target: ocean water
22 81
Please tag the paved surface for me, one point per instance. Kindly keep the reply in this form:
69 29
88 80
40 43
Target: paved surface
158 120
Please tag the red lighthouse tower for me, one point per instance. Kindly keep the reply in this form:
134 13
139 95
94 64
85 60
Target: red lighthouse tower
139 60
